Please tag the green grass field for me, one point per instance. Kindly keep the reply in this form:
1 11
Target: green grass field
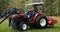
4 28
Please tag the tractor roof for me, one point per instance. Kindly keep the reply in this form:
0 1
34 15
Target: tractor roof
38 3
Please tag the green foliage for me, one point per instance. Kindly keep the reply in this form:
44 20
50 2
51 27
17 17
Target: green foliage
19 4
3 4
50 7
58 7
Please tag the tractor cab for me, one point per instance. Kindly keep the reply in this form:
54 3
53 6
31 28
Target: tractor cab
37 7
34 8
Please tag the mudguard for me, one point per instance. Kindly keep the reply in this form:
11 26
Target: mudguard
34 19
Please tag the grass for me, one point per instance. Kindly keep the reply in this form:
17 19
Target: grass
4 28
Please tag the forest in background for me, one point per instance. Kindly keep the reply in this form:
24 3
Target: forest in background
52 7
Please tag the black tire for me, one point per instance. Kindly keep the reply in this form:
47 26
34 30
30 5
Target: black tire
39 21
21 26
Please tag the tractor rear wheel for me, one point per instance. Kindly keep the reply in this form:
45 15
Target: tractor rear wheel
41 22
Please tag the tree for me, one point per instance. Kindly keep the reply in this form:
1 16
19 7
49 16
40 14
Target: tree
50 7
3 4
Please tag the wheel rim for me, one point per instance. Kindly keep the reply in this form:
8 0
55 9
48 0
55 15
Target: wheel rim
42 22
24 27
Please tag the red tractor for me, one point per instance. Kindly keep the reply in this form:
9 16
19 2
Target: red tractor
21 20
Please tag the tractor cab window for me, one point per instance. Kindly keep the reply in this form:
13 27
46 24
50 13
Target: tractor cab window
39 7
29 7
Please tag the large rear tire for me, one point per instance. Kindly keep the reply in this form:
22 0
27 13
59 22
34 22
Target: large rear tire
41 22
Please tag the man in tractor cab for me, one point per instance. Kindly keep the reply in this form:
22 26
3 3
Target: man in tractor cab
31 12
35 8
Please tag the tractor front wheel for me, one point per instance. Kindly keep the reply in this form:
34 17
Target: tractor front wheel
23 26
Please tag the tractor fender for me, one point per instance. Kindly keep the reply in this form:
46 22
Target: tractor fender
34 18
